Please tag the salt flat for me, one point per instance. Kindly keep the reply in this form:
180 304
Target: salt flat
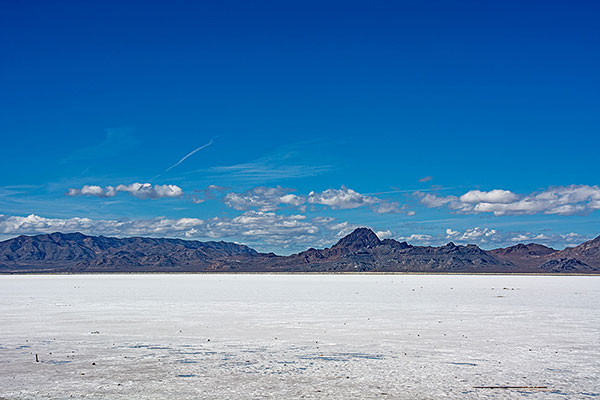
299 336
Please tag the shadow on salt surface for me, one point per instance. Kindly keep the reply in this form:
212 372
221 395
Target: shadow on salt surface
190 353
187 361
342 357
57 362
463 363
148 346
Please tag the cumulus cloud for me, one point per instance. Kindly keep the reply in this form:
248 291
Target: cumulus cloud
418 238
92 190
493 196
147 191
262 198
345 198
270 198
451 232
489 238
139 190
384 234
268 230
263 230
473 235
558 200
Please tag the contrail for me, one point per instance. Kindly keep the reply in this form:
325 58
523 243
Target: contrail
186 156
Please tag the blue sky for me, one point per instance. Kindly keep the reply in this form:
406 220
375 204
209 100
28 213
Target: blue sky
475 122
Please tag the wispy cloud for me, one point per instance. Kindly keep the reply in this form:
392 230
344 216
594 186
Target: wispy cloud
426 179
116 142
289 162
264 171
433 189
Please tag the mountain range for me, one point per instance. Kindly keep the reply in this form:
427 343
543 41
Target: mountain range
360 251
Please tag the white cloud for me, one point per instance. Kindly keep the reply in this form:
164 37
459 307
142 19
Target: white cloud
417 238
292 199
197 200
493 196
262 198
384 234
433 201
92 190
491 238
263 230
388 207
270 198
139 190
147 191
520 238
477 234
559 200
268 230
345 198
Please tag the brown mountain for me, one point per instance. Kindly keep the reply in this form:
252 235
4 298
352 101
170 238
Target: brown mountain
588 252
363 251
582 258
526 255
75 252
360 251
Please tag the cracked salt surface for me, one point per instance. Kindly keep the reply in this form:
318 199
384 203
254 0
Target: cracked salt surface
299 336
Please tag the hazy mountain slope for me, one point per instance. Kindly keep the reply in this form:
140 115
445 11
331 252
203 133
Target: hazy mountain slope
588 252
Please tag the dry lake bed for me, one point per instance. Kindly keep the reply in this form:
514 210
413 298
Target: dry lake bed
299 336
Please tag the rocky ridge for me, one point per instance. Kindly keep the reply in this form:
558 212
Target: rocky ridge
360 251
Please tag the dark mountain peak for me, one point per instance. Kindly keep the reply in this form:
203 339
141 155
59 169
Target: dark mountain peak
449 246
533 249
565 265
358 239
67 236
466 250
395 244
